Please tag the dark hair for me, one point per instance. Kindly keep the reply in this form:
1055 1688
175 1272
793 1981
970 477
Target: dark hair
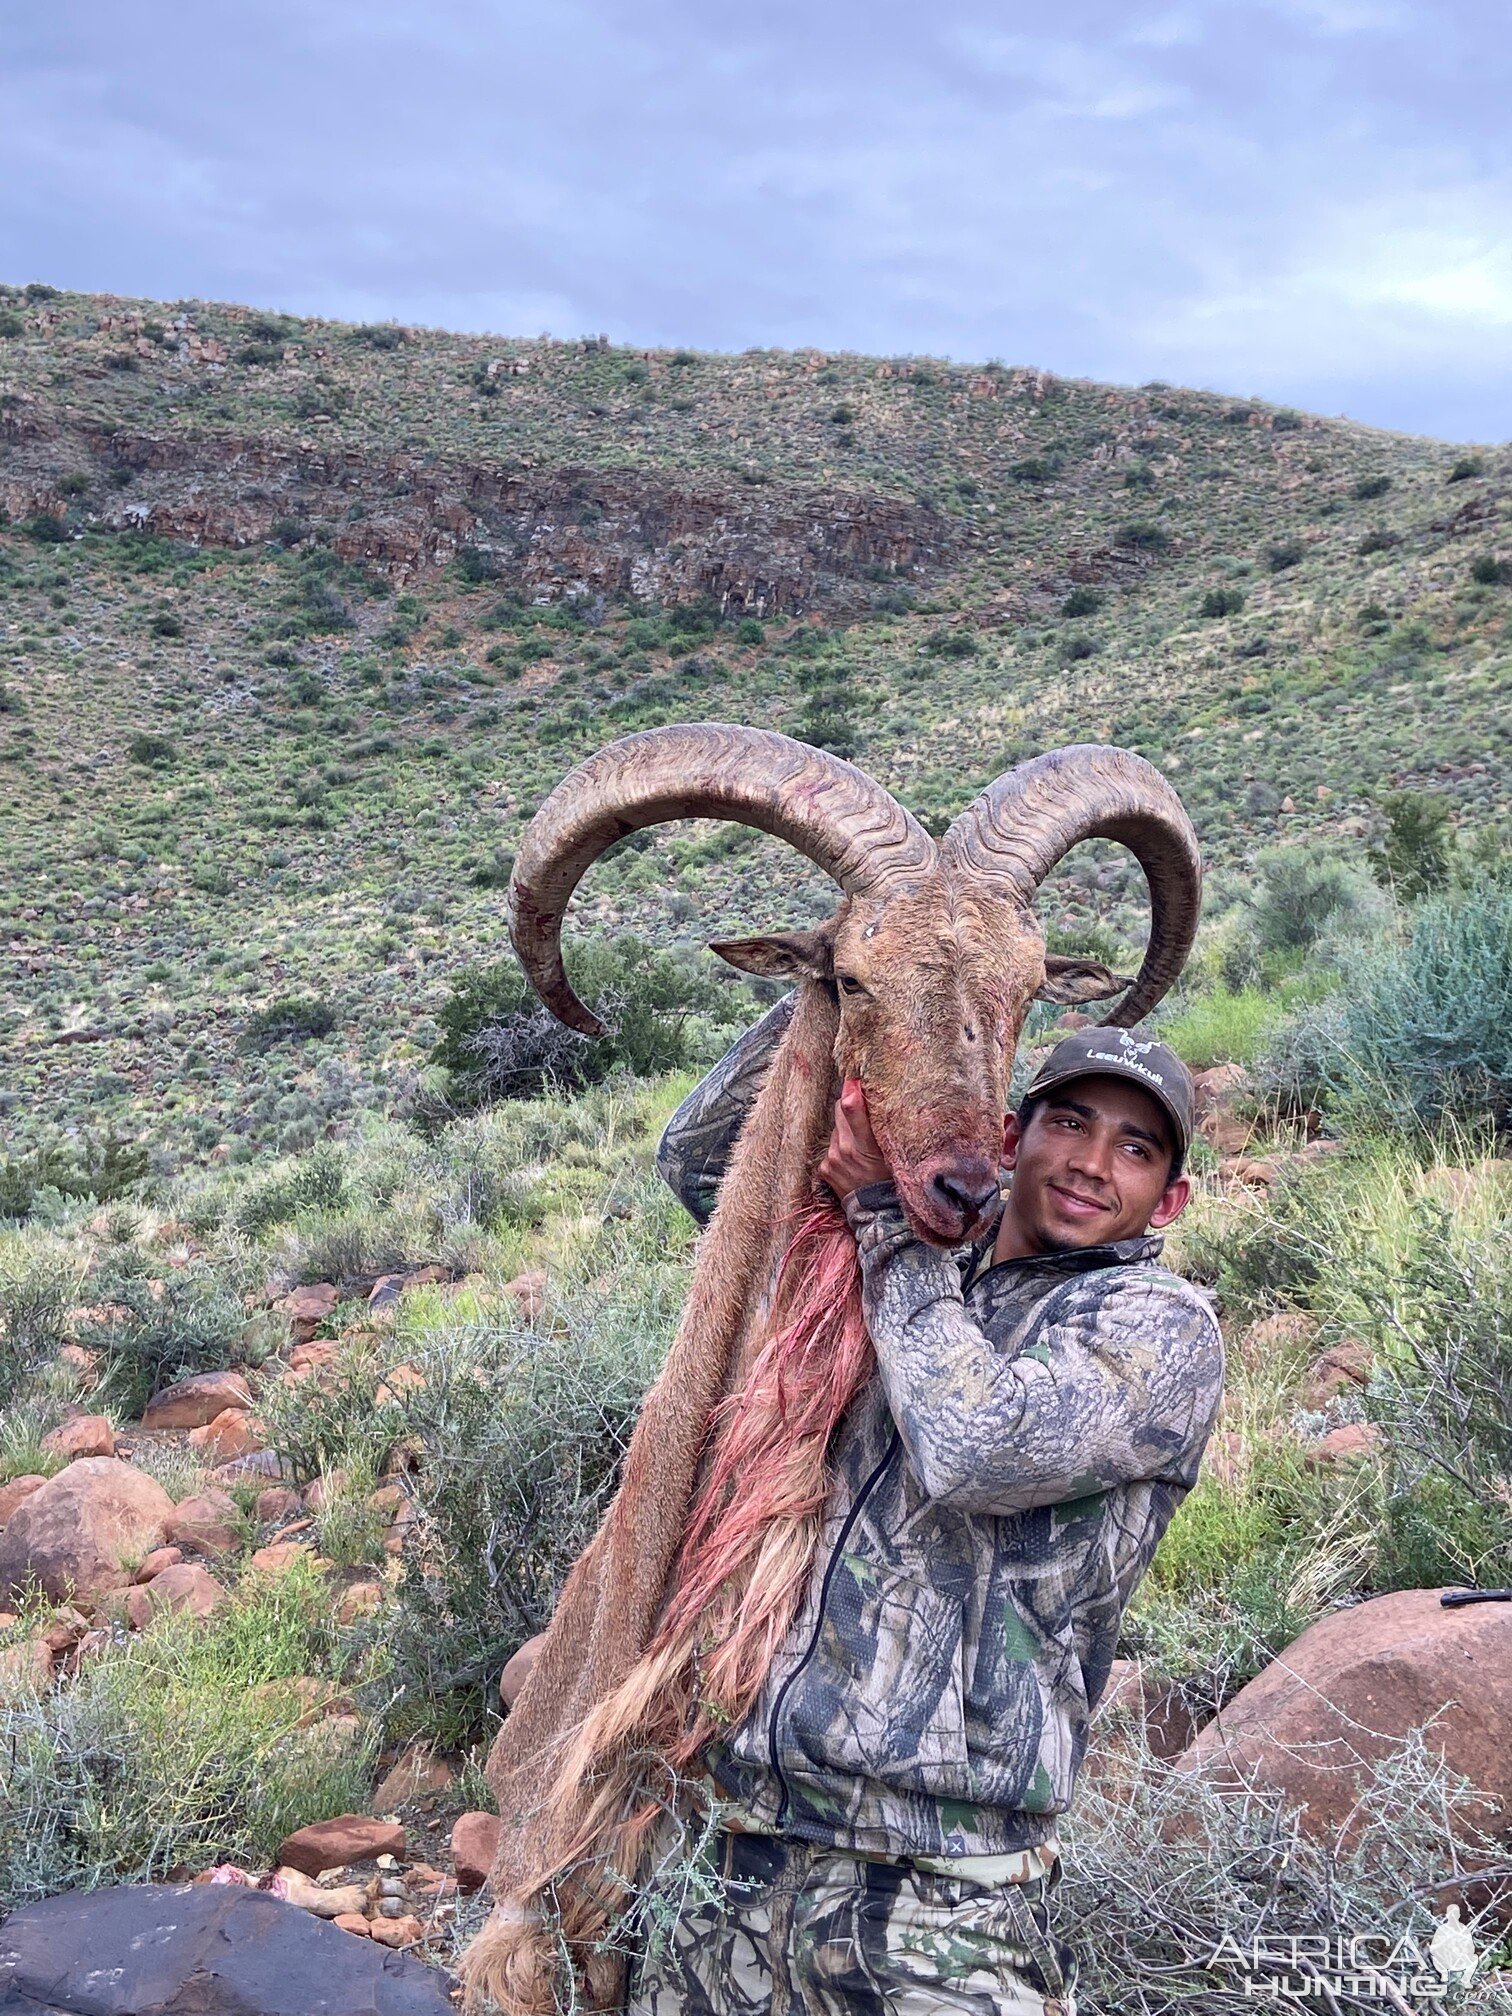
1029 1107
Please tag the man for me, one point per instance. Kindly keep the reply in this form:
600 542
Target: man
1040 1408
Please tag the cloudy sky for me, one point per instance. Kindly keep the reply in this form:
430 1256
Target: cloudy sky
1305 200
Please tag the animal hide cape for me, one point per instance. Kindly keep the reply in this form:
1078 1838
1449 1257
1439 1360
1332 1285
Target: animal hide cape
553 1901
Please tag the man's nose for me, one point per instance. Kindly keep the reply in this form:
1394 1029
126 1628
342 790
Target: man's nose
1091 1155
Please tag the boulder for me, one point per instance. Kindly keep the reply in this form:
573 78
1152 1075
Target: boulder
278 1502
396 1932
209 1522
187 1588
528 1292
419 1774
24 1669
474 1843
331 1844
159 1559
359 1599
85 1435
1343 1368
518 1669
73 1536
280 1555
16 1493
1335 1700
1345 1444
191 1403
206 1950
234 1432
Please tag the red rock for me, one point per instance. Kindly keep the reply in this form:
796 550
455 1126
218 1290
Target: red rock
209 1522
159 1559
260 1466
1217 1092
389 1499
1343 1368
320 1490
419 1774
83 1364
1341 1695
85 1435
352 1921
332 1844
1344 1445
16 1493
1256 1174
280 1555
64 1632
193 1403
277 1503
396 1382
396 1932
24 1669
232 1433
307 1308
187 1588
474 1844
75 1534
1153 1712
518 1669
528 1291
360 1600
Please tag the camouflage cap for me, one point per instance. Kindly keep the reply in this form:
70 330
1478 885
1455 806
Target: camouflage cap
1124 1053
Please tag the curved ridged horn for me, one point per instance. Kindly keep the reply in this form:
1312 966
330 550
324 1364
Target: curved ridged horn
1020 826
845 823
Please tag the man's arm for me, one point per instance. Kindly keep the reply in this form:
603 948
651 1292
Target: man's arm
1122 1382
694 1152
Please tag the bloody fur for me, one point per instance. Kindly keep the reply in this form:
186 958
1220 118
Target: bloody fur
741 1572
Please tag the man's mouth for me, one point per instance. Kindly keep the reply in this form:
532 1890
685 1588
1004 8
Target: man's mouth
1074 1204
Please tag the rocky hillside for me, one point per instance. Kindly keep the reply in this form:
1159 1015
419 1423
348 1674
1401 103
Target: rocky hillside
298 621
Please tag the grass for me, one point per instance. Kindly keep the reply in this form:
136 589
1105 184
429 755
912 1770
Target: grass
177 1746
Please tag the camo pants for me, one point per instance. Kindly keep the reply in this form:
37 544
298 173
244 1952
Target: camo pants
801 1931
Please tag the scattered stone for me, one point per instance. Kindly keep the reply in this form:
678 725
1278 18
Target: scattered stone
195 1402
1344 1445
419 1774
281 1555
320 1490
331 1844
209 1522
1275 1336
518 1669
386 1292
396 1932
360 1600
352 1921
16 1493
64 1632
1217 1092
474 1844
188 1950
1258 1174
308 1357
188 1588
159 1559
278 1502
74 1534
396 1382
311 1304
83 1364
389 1499
1355 1682
260 1466
232 1433
85 1435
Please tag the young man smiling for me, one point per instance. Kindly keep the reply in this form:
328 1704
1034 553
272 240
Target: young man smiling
1041 1404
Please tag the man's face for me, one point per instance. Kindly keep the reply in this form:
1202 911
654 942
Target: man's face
1091 1166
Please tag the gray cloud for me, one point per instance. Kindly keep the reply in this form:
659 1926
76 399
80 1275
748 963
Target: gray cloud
1304 199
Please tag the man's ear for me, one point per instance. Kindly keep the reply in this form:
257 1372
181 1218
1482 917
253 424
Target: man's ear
784 955
1069 982
1173 1201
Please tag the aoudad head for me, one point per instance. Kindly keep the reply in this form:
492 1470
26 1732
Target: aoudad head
933 953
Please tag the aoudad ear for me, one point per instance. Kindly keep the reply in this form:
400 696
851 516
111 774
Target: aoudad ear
783 955
1070 982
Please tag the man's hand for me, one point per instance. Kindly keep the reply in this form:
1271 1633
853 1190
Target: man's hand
852 1159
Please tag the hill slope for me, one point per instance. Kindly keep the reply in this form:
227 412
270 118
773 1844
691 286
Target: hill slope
298 622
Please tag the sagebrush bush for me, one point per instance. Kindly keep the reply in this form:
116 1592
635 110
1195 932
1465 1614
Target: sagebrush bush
1302 892
498 1042
176 1745
1428 1021
154 1327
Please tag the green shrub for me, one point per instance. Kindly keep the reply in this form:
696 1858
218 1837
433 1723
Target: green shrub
1222 602
498 1042
166 624
1144 535
1413 856
155 751
1465 467
152 1328
1286 553
39 1283
46 529
1428 1022
1082 602
1372 486
1490 571
177 1747
1378 541
10 324
1303 892
1222 1027
293 1018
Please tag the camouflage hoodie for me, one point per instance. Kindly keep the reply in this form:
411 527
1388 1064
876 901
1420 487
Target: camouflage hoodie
999 1490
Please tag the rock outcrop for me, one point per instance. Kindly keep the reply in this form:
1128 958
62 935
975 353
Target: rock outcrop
75 1536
